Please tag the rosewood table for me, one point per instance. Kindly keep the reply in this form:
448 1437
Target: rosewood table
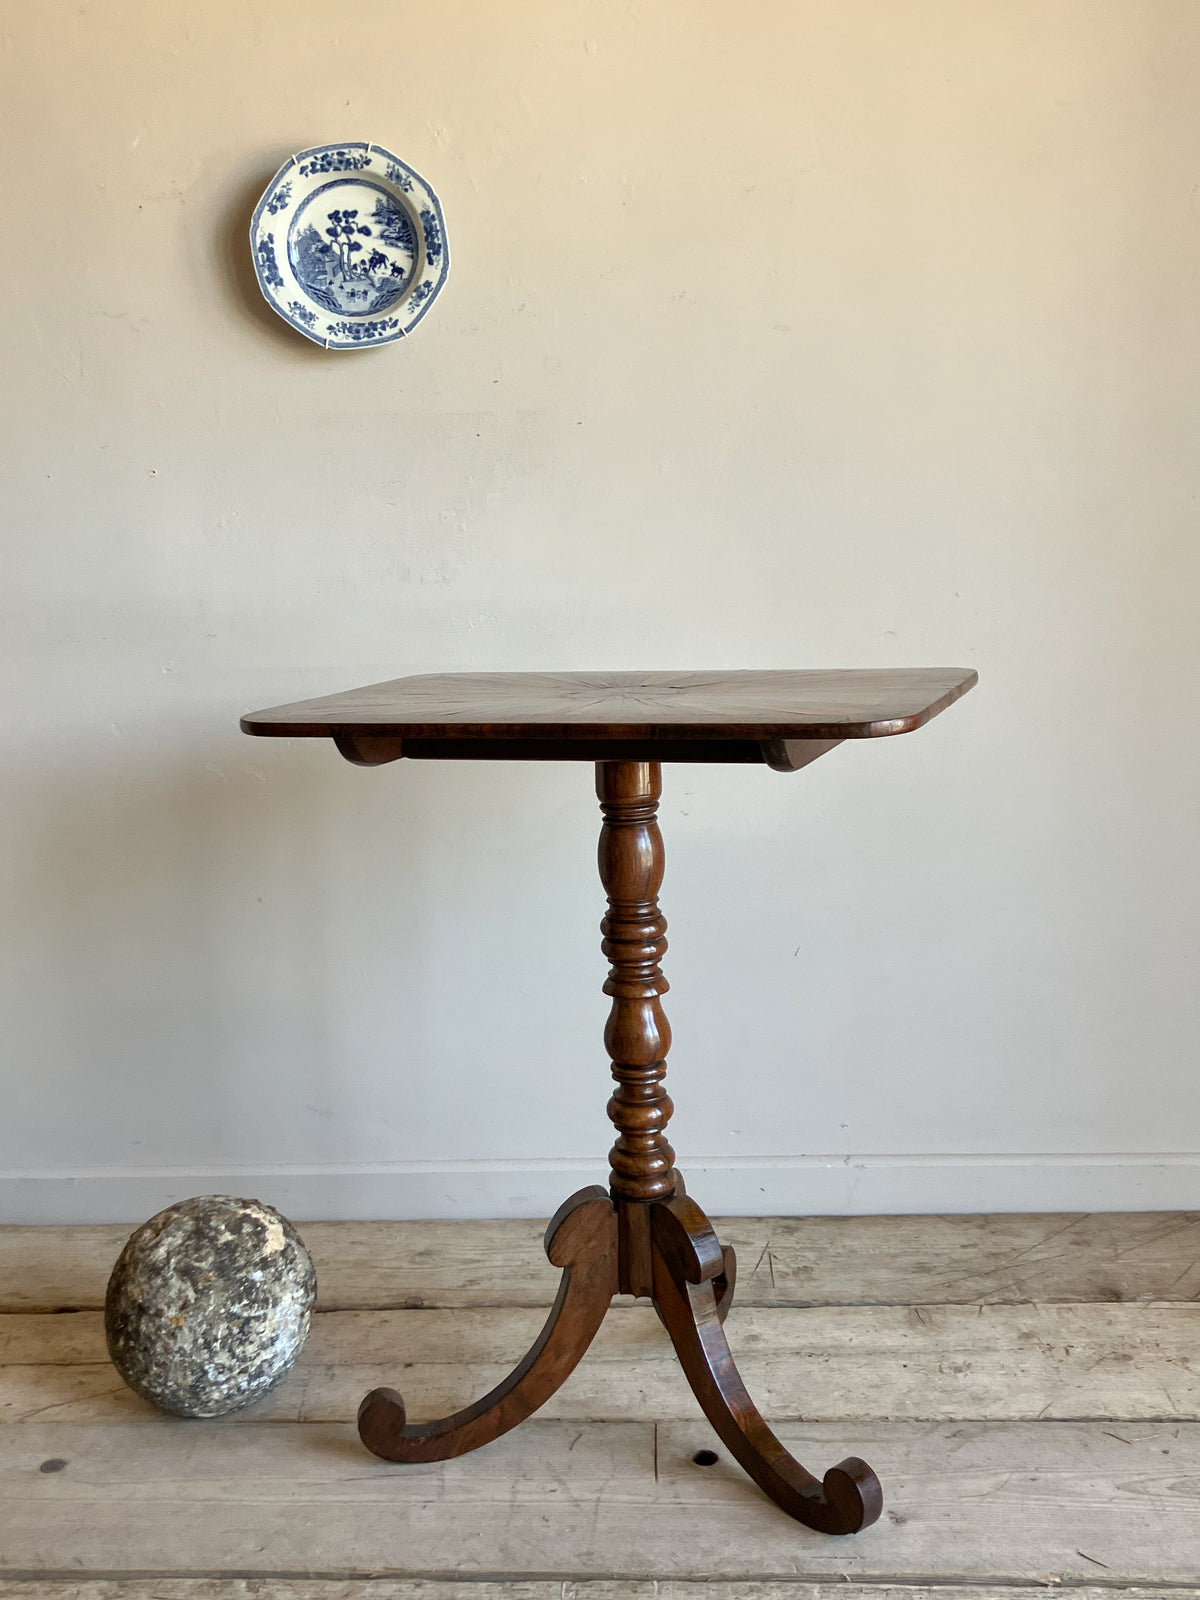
643 1235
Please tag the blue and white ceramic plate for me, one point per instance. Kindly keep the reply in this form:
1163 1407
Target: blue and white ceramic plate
349 245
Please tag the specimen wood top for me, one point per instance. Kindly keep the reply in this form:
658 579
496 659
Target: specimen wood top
857 703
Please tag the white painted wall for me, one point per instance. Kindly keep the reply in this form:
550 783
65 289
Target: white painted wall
830 332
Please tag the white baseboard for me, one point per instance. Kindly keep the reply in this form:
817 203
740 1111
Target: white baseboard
816 1185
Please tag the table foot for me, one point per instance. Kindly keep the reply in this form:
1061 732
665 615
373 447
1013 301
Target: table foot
688 1260
582 1240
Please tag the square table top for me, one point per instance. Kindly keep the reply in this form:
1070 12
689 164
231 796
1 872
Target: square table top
695 716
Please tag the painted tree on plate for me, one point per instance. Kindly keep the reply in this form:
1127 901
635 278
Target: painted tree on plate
344 226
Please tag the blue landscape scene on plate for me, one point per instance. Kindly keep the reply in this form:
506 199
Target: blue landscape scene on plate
352 247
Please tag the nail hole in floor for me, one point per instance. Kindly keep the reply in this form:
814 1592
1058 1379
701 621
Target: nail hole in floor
705 1458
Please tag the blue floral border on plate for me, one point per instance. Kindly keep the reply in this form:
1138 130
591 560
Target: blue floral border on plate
346 155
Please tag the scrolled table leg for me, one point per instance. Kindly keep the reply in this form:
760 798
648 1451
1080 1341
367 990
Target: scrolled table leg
582 1240
687 1260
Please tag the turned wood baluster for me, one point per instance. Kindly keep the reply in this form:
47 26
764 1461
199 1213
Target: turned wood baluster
637 1034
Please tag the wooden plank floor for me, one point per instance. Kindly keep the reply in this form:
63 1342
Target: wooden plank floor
1028 1389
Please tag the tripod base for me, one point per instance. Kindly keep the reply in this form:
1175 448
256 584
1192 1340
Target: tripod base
692 1281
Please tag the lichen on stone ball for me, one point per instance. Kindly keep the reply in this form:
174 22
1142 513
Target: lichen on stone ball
209 1305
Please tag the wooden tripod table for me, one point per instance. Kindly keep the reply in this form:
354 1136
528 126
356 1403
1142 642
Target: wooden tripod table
643 1235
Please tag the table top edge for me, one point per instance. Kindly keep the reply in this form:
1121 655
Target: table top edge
277 721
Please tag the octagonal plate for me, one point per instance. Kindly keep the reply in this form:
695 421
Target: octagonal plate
349 245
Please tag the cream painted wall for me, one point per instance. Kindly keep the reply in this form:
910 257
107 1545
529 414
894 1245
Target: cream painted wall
832 332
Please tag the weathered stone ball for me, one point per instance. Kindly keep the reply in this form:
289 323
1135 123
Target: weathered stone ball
209 1305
